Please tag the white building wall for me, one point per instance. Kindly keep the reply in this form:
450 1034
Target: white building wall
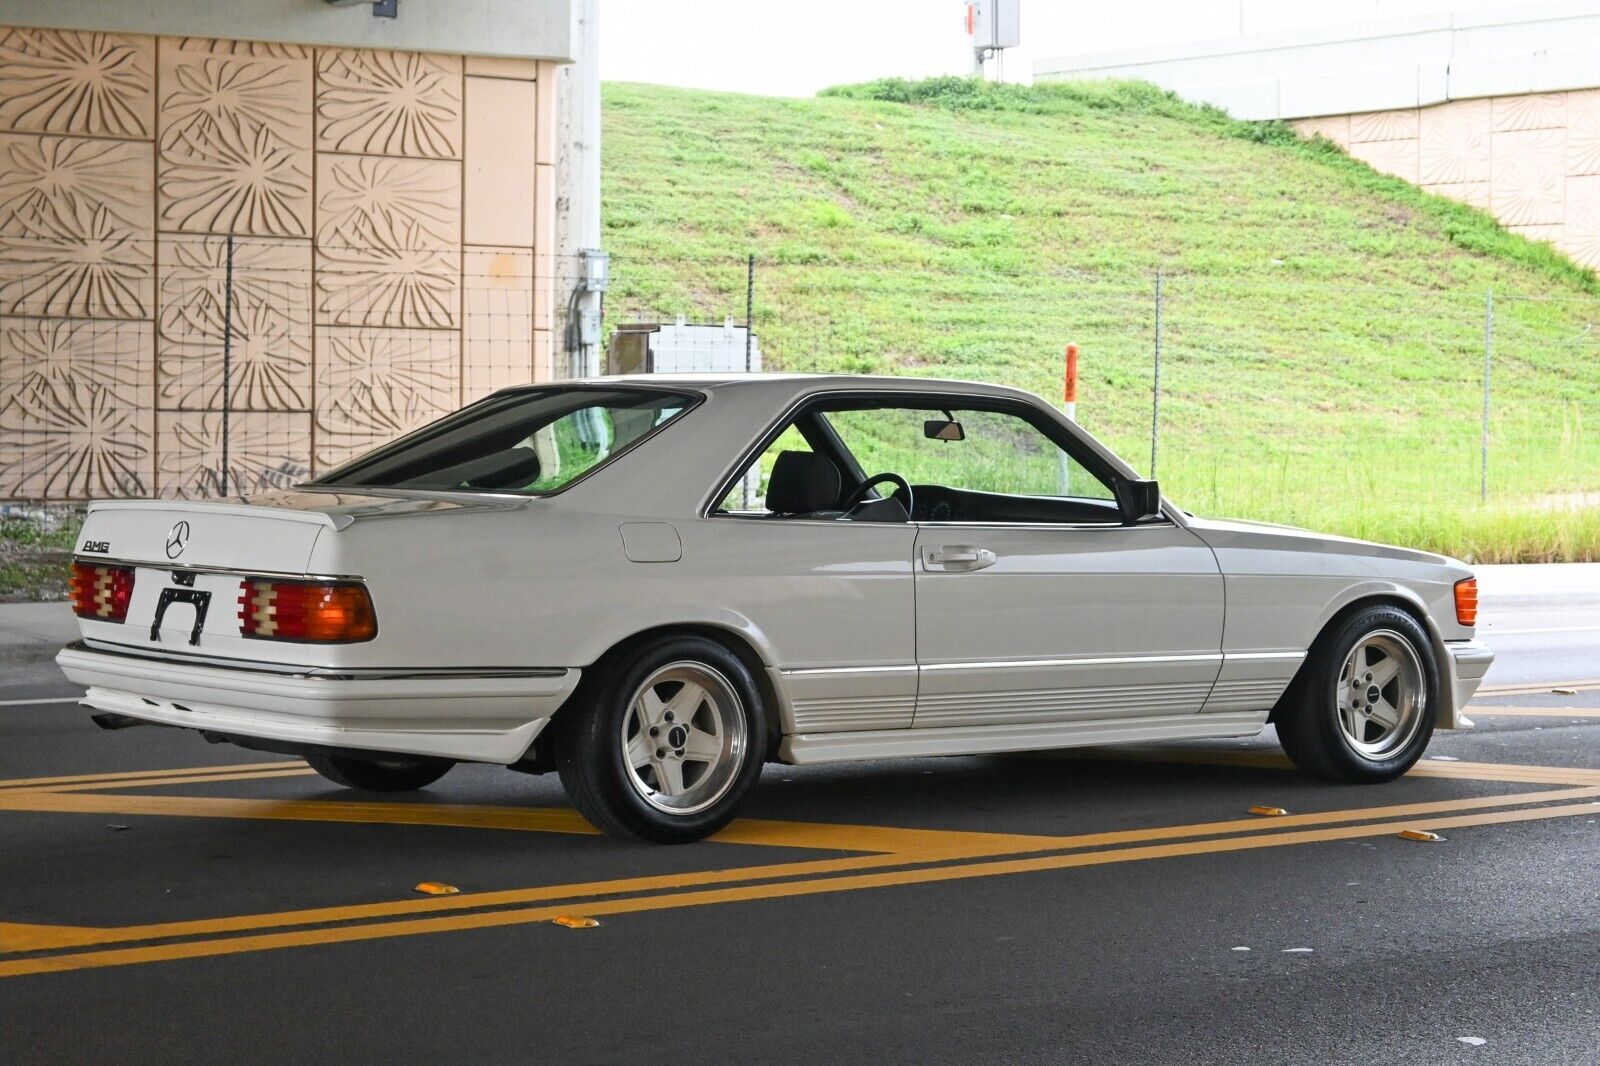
1395 63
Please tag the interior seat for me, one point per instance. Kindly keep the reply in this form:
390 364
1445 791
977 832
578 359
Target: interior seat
804 485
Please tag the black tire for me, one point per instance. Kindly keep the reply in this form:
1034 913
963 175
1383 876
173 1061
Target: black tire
592 762
399 774
1309 716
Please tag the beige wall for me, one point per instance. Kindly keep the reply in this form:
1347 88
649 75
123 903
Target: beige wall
390 212
1532 159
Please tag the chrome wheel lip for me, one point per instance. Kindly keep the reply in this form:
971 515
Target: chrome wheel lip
1380 706
720 705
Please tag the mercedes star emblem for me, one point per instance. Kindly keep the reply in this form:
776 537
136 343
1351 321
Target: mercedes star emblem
177 540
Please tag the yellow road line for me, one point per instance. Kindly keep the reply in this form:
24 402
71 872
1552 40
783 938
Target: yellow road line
1266 760
746 893
1487 711
102 787
908 846
141 775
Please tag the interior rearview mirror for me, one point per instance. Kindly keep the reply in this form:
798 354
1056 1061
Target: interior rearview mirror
943 429
1138 498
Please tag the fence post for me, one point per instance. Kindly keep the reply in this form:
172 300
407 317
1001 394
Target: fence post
1488 356
1155 389
227 356
749 307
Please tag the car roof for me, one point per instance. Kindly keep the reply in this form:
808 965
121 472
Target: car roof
795 385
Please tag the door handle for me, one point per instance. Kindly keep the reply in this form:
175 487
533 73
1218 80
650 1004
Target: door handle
957 557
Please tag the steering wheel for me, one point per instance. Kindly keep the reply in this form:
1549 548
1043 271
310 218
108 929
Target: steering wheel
858 495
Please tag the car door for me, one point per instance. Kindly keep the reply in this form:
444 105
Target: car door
834 598
1034 603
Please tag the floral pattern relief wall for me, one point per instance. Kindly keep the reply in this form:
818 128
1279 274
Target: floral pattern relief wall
1531 160
383 208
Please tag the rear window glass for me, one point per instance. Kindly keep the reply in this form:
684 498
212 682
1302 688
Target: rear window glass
528 443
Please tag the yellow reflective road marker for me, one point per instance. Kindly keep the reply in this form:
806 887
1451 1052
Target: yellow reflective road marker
572 921
437 888
1419 834
1268 812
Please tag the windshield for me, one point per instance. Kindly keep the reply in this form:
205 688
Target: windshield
529 442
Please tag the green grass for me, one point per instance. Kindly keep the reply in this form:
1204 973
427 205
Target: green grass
34 553
1323 325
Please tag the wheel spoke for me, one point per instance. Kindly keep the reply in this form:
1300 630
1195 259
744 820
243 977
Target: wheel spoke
702 746
1384 672
669 776
650 706
686 701
1354 723
1385 714
640 751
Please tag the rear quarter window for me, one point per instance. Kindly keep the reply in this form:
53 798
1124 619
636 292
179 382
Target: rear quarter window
529 443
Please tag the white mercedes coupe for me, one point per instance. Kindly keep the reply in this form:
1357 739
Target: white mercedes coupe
653 585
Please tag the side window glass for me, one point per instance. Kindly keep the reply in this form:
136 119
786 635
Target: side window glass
749 493
996 452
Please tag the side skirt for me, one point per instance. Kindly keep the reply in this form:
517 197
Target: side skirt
806 748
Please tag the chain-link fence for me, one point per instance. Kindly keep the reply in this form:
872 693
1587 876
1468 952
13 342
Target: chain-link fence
1371 409
206 366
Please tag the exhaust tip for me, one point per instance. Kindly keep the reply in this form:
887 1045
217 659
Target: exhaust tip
107 720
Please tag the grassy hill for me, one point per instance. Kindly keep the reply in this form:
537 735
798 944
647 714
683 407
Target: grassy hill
1323 326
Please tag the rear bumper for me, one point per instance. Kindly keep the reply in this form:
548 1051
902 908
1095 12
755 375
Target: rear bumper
479 716
1469 661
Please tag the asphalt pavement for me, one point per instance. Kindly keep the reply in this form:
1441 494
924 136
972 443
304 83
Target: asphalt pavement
162 898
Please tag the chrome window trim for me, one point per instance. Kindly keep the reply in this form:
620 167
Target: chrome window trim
979 401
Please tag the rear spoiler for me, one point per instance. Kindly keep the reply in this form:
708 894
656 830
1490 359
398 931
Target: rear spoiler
254 510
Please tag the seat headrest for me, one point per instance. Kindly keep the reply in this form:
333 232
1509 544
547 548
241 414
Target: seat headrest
802 481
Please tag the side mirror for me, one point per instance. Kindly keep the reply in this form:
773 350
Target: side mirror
1138 498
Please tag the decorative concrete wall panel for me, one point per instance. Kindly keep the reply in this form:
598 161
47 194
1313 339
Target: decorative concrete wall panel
1335 128
389 103
1384 125
375 384
388 211
270 350
1453 144
1475 193
266 451
89 84
76 235
1583 132
235 142
1582 237
500 161
388 242
75 418
1534 111
1398 158
1529 177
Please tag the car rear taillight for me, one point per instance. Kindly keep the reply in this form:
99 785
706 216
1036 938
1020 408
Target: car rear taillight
1467 602
101 592
313 612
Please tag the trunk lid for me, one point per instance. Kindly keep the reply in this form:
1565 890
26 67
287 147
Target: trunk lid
228 536
189 559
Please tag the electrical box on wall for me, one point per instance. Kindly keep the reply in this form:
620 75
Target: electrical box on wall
995 23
